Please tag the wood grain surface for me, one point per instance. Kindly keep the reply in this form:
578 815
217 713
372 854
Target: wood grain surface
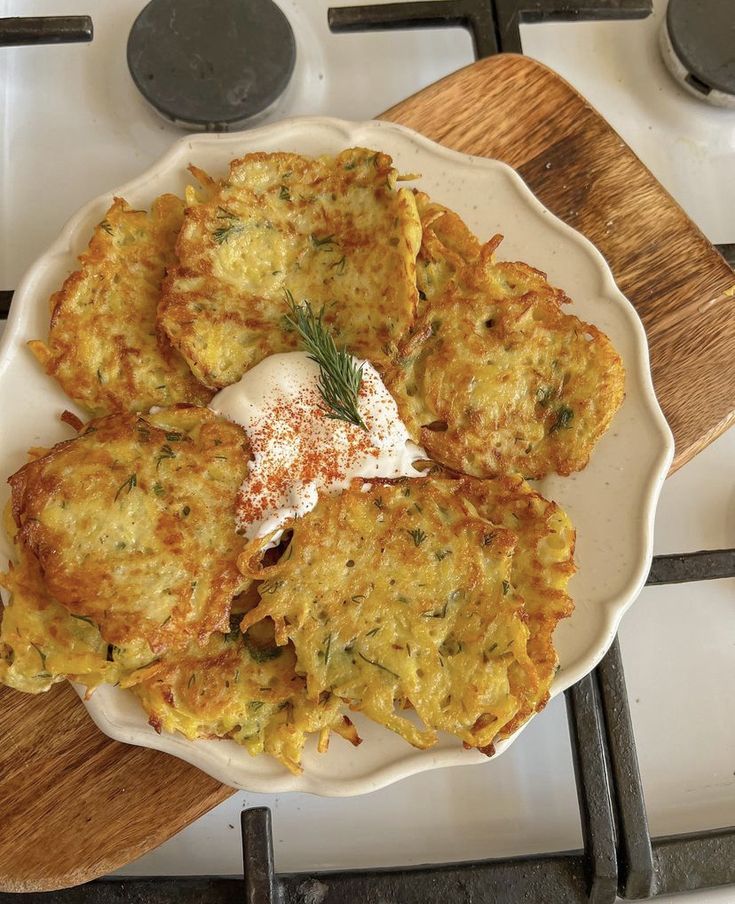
77 805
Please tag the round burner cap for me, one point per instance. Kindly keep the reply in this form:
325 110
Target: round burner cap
211 65
698 42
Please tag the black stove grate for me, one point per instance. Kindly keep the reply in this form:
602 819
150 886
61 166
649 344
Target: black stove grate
34 30
493 24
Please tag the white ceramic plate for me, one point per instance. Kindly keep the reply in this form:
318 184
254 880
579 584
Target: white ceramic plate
611 502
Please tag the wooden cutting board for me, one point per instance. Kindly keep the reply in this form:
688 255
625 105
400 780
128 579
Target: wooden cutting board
76 805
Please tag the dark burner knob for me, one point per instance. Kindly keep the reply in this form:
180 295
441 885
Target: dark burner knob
211 65
698 46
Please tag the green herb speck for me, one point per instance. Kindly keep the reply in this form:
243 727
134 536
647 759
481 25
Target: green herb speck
378 665
40 653
261 654
131 482
166 452
564 418
224 233
322 241
417 535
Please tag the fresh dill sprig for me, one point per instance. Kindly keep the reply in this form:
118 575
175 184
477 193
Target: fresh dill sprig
340 377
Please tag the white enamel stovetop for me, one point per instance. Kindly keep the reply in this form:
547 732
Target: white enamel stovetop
72 126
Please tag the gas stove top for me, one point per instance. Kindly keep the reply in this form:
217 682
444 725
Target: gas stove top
73 124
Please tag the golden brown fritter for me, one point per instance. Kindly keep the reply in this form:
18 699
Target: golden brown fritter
542 564
244 688
497 379
400 595
133 525
334 231
103 345
41 643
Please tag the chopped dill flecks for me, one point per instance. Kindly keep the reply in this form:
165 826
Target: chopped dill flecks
417 535
377 665
166 452
131 482
322 241
564 418
224 233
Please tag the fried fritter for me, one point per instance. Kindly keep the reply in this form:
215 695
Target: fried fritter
133 525
542 564
399 594
447 245
104 347
495 378
333 230
41 642
242 687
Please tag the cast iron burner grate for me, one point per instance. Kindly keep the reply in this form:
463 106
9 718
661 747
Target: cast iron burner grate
33 30
619 855
494 24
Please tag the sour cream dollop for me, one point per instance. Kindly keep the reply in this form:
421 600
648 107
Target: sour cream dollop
298 450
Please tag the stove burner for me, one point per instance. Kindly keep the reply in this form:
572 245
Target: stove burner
211 66
697 42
